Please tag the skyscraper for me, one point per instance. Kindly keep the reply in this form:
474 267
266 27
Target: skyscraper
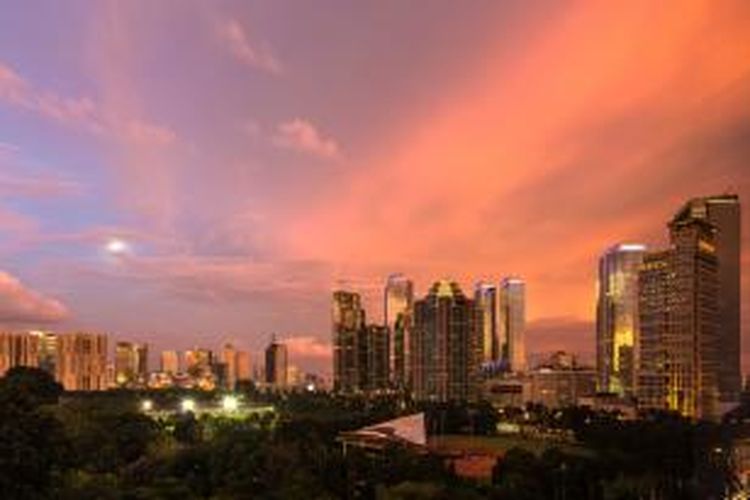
513 322
18 349
244 367
229 359
131 363
170 362
348 320
81 361
444 357
485 297
617 318
374 350
679 322
723 212
399 301
276 364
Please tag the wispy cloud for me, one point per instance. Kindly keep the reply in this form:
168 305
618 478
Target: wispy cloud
82 112
301 135
20 304
237 41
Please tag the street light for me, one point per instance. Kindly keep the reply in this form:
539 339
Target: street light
230 403
147 405
187 405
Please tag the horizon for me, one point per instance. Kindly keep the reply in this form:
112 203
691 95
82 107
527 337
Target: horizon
193 174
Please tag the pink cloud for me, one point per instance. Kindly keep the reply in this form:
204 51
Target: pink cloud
302 135
237 42
37 186
22 305
83 112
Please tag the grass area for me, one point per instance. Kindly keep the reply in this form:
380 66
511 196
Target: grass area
501 444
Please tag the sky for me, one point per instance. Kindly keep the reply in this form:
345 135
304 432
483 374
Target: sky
193 173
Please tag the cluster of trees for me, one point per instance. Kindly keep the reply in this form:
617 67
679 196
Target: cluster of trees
101 446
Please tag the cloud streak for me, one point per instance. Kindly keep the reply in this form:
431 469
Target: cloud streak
21 305
301 135
237 42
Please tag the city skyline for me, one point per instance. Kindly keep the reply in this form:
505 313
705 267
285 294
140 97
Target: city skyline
192 210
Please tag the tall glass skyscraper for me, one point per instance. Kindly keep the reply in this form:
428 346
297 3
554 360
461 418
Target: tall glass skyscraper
617 318
347 322
485 297
723 212
398 305
513 322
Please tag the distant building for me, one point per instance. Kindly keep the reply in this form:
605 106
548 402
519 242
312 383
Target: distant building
244 366
131 363
198 361
170 362
398 308
374 349
513 322
444 345
348 320
228 358
486 299
617 318
18 349
81 361
276 365
723 213
679 322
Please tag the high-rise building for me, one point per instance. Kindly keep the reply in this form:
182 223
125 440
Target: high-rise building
198 362
170 362
348 320
229 359
444 358
485 297
131 363
276 364
513 322
244 366
398 305
617 318
18 349
81 361
723 212
373 363
679 322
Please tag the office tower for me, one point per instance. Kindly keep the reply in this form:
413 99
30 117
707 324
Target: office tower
617 318
373 363
485 297
276 364
229 359
398 305
244 366
131 363
347 319
82 361
443 355
198 362
723 212
18 349
513 322
679 322
170 362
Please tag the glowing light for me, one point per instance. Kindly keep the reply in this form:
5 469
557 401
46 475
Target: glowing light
230 403
117 246
310 387
187 405
147 405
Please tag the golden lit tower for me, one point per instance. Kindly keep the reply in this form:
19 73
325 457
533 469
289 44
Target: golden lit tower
617 318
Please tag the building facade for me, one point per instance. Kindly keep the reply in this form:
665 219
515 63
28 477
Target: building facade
131 363
512 316
81 361
486 299
169 362
723 212
679 322
398 313
617 318
276 365
348 320
444 345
